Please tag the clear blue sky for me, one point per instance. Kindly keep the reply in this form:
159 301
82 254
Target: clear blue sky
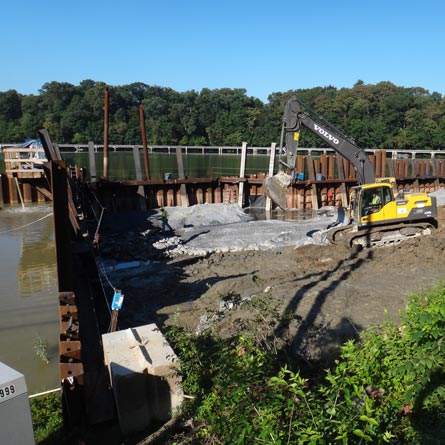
262 46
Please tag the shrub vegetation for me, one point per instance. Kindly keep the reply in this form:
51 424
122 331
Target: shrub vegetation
389 388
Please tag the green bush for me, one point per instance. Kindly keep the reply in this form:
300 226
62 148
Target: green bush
46 413
387 388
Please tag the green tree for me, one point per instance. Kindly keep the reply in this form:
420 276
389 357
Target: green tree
375 116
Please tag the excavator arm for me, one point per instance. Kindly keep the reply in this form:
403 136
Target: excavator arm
297 114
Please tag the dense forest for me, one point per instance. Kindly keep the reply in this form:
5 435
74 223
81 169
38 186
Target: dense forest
376 116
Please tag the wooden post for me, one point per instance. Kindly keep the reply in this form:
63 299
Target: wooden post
19 191
415 174
392 172
27 193
40 196
300 200
13 198
181 174
241 174
300 164
92 161
271 166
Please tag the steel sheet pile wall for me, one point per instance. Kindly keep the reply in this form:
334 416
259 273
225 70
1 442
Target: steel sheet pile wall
320 179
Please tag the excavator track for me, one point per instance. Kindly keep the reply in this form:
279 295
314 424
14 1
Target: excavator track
379 235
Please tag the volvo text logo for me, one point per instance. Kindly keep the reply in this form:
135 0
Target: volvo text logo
326 134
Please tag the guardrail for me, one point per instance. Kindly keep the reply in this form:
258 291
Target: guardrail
221 150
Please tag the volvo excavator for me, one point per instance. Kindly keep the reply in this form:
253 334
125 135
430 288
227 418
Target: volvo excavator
377 215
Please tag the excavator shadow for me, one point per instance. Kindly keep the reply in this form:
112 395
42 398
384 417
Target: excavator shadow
312 335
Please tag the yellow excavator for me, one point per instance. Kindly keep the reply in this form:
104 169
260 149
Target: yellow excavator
377 215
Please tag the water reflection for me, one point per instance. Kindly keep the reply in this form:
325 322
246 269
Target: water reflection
28 293
34 273
121 164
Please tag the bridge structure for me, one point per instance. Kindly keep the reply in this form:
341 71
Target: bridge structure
417 153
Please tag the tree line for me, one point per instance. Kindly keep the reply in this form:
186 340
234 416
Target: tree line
381 116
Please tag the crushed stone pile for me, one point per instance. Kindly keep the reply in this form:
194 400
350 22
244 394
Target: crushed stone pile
203 215
202 229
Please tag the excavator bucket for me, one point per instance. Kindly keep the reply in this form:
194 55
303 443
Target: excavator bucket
276 187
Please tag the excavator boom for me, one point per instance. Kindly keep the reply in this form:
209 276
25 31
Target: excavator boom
297 114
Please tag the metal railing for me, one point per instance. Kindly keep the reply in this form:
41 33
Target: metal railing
236 150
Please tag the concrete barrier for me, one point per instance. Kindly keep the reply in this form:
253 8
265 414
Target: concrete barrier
142 368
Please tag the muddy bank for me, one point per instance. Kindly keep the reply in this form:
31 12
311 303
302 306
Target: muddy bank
331 293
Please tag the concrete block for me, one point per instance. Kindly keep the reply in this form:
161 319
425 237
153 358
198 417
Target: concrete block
141 366
15 413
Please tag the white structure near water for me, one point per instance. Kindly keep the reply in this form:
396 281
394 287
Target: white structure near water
15 414
142 368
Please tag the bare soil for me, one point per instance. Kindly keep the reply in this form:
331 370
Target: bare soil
331 293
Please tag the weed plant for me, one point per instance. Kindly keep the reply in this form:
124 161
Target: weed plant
46 413
388 388
41 348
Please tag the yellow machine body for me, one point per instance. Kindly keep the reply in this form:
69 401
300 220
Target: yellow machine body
375 204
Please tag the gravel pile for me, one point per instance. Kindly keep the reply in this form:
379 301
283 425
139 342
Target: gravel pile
202 229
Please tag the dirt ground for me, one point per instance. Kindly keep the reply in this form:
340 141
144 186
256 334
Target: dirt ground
331 293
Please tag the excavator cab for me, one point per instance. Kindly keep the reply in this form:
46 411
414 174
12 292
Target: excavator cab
376 204
369 203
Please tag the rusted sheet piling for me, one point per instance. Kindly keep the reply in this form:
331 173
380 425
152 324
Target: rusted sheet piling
326 178
86 394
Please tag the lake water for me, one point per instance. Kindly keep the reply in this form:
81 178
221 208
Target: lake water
28 294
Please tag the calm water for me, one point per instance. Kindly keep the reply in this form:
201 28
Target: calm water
121 164
28 293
